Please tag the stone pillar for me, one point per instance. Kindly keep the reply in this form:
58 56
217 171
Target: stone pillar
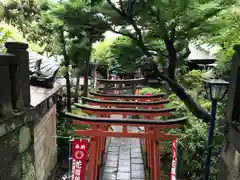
16 129
7 61
22 85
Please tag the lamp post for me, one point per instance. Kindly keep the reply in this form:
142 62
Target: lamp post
216 90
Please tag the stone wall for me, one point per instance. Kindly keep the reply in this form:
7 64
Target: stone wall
230 164
230 155
16 149
28 145
45 145
27 120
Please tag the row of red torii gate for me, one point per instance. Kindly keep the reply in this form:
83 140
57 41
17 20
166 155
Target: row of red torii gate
109 100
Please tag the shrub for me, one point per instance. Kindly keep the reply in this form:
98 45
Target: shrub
150 90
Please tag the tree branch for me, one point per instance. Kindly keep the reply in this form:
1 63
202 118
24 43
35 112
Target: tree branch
130 7
121 7
159 52
189 102
201 19
173 32
115 8
139 38
124 34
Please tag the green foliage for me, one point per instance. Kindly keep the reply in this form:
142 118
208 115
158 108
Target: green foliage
150 90
102 52
226 38
192 143
192 139
163 28
121 55
66 129
193 80
126 55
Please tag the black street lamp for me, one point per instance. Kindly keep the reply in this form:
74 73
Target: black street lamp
216 90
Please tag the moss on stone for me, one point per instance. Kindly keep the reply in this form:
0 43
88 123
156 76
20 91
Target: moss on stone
27 159
31 173
16 169
24 139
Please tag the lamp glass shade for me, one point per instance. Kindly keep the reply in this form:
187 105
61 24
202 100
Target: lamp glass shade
216 89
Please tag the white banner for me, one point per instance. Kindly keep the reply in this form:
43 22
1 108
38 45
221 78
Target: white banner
174 160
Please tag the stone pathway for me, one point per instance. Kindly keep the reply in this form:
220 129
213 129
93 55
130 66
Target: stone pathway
124 159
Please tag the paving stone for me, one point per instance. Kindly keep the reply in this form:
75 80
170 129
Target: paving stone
137 160
109 170
116 140
135 141
111 164
123 176
136 155
125 152
139 167
126 142
113 153
124 156
137 174
112 157
124 169
135 150
124 160
113 149
109 176
136 146
124 149
114 145
125 146
124 163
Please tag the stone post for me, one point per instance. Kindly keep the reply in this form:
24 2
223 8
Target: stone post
22 85
6 61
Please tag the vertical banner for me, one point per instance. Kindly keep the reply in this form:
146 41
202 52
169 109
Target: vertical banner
118 85
95 79
115 85
174 160
79 158
148 117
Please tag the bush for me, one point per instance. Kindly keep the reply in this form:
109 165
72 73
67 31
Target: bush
192 143
150 90
66 129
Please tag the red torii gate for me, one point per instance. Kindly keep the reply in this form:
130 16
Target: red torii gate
128 103
99 133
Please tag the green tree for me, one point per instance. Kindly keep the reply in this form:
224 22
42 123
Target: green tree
29 17
226 38
85 24
173 23
102 52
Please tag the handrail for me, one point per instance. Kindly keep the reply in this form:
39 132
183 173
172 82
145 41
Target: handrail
8 59
134 110
127 96
124 81
125 102
117 88
181 120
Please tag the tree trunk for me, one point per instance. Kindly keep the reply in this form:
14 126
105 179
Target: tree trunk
189 102
76 94
68 83
86 73
172 60
66 64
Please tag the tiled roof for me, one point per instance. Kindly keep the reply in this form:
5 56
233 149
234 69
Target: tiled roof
48 66
199 54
